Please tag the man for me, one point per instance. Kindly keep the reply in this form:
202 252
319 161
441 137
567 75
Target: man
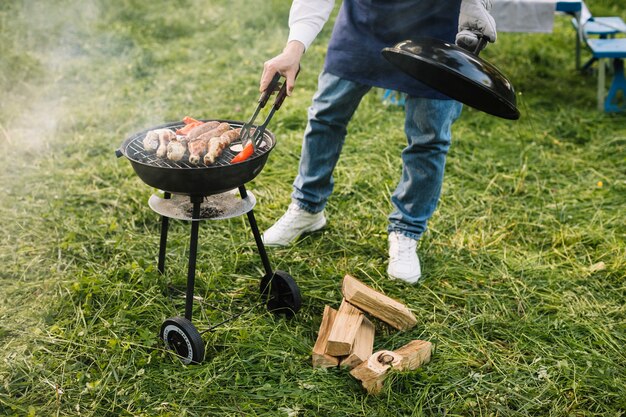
353 66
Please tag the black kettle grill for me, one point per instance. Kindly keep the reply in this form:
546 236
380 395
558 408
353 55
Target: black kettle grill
210 192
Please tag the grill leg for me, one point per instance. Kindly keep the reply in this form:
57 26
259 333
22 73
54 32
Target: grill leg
193 252
257 236
165 223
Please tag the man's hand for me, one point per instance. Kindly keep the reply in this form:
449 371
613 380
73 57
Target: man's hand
474 22
287 64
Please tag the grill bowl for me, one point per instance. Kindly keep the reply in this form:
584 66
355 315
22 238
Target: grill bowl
202 180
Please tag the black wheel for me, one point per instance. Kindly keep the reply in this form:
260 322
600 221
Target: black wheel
282 293
180 336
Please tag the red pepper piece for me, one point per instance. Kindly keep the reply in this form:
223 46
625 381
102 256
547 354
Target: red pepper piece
187 120
187 128
245 153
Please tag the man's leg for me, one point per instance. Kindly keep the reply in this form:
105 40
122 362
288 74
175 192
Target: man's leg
428 125
333 106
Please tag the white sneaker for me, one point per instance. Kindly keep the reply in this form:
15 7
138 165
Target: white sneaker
403 261
294 222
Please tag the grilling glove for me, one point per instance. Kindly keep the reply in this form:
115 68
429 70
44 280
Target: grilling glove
475 22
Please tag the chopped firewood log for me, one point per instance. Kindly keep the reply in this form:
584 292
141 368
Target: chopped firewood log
377 304
414 354
372 373
363 345
319 357
344 330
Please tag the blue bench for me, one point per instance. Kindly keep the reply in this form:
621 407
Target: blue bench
599 34
610 49
602 27
394 97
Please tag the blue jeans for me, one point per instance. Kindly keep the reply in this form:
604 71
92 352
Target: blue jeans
427 126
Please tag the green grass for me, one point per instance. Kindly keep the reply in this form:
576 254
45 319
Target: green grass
522 323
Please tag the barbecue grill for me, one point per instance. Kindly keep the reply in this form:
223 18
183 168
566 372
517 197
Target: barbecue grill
181 177
200 192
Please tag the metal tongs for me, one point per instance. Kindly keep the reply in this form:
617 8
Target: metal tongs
255 139
245 134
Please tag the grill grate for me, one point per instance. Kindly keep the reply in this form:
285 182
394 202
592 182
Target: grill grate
136 152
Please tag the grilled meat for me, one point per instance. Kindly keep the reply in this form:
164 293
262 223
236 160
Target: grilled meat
203 128
217 145
151 141
216 132
165 136
176 149
197 149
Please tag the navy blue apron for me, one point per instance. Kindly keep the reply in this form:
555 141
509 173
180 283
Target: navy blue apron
364 27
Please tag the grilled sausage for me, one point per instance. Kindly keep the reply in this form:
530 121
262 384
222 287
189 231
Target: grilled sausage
216 132
203 128
231 135
217 145
197 149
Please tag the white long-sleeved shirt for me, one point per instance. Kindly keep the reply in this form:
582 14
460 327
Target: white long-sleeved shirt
307 18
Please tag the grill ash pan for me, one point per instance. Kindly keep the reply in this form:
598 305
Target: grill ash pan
201 180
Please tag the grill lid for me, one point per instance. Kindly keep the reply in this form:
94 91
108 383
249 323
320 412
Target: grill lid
457 73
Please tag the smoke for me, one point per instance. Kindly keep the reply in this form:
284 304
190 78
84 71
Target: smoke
42 41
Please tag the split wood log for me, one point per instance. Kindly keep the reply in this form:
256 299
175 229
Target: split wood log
377 304
319 358
414 354
343 332
363 345
372 373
